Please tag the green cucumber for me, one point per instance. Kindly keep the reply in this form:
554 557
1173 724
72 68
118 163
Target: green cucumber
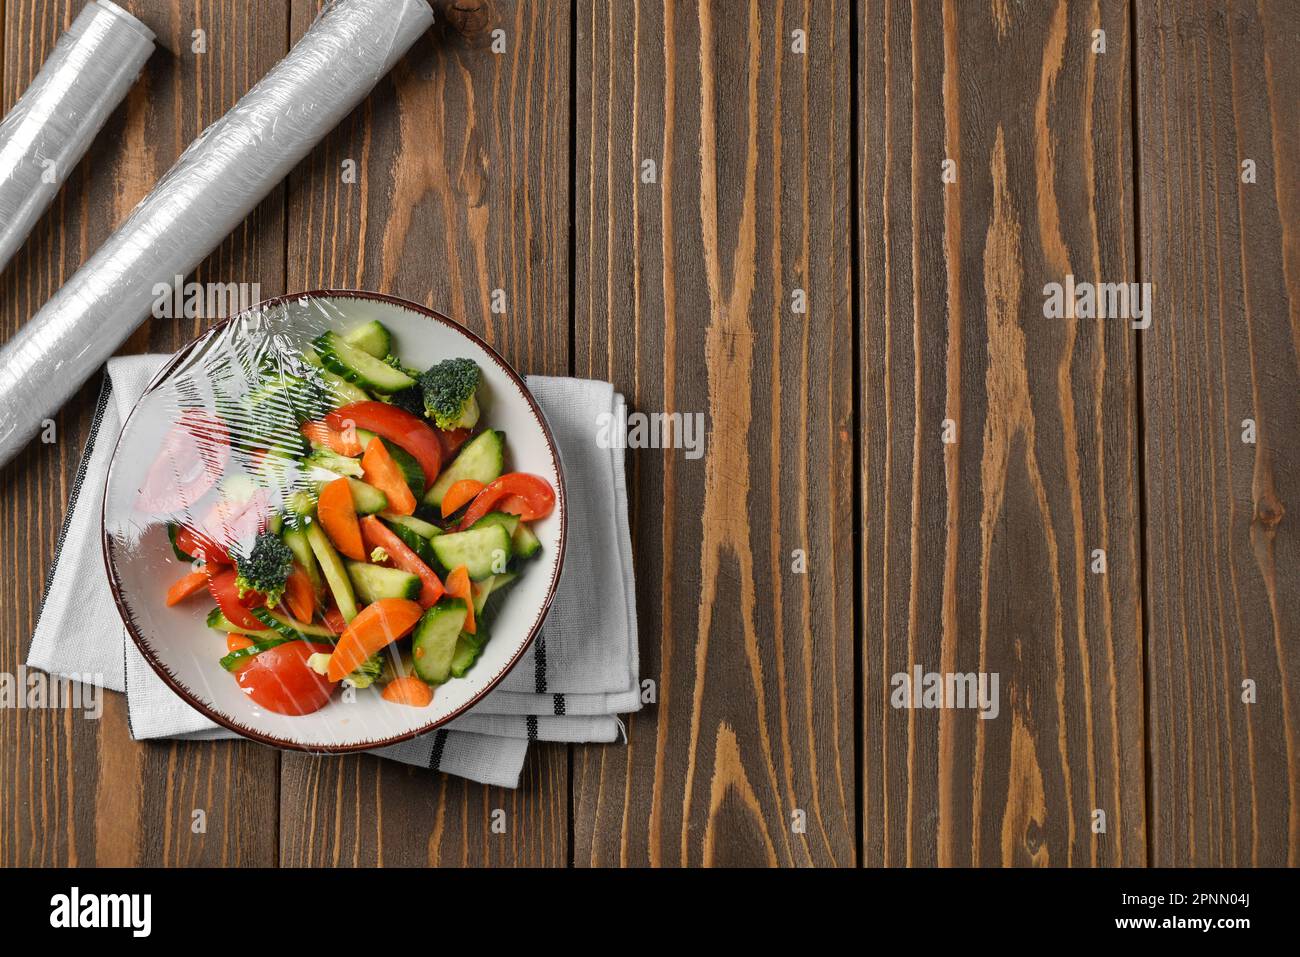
296 539
357 366
415 542
290 627
487 588
523 542
504 519
366 499
333 462
483 551
373 338
468 649
482 459
374 582
419 526
433 642
220 622
336 575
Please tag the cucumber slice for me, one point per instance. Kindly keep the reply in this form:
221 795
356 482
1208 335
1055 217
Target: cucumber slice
220 622
487 588
504 519
433 643
524 543
340 390
333 462
419 526
366 499
290 627
483 551
416 543
468 649
296 539
482 459
336 575
373 338
357 366
374 582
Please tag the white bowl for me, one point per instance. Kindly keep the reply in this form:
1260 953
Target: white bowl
176 641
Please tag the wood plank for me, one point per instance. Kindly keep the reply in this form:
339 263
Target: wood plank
462 188
683 298
1218 84
73 791
977 553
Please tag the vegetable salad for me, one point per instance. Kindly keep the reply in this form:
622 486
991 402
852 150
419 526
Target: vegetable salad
359 532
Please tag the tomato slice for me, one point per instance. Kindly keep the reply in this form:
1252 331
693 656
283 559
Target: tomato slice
192 458
221 582
400 427
529 496
452 440
280 680
378 535
197 545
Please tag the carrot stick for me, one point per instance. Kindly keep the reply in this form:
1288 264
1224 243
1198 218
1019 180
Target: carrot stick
383 473
459 493
299 595
458 587
379 624
338 516
188 585
238 642
409 690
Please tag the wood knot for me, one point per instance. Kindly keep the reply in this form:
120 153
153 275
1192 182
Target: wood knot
470 21
1269 512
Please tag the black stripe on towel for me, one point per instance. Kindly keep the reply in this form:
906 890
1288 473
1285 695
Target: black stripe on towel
435 755
531 723
539 662
559 704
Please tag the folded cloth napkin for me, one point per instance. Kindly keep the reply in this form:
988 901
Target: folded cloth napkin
580 672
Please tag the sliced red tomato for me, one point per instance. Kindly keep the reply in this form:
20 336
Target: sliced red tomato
334 620
452 440
192 458
199 546
221 582
400 427
378 535
280 680
342 441
228 525
529 496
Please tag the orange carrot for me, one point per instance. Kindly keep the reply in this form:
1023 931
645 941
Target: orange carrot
342 441
409 690
384 474
190 584
458 587
338 516
459 493
299 595
238 642
379 624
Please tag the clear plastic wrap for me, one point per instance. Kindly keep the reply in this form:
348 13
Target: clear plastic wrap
50 128
213 186
242 435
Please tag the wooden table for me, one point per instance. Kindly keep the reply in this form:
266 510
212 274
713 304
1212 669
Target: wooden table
744 211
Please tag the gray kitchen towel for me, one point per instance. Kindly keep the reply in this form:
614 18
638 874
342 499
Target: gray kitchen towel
582 670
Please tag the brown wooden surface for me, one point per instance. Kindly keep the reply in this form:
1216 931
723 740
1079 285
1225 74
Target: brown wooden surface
775 171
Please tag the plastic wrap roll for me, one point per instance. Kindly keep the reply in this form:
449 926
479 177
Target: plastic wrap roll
48 131
214 185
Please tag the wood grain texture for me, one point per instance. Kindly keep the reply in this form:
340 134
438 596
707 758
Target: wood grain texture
976 553
74 791
1219 85
683 298
462 188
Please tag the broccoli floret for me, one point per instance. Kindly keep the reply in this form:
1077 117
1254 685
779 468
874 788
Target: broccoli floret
410 399
265 569
366 672
449 397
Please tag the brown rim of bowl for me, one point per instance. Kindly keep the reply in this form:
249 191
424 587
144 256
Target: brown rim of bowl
244 732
